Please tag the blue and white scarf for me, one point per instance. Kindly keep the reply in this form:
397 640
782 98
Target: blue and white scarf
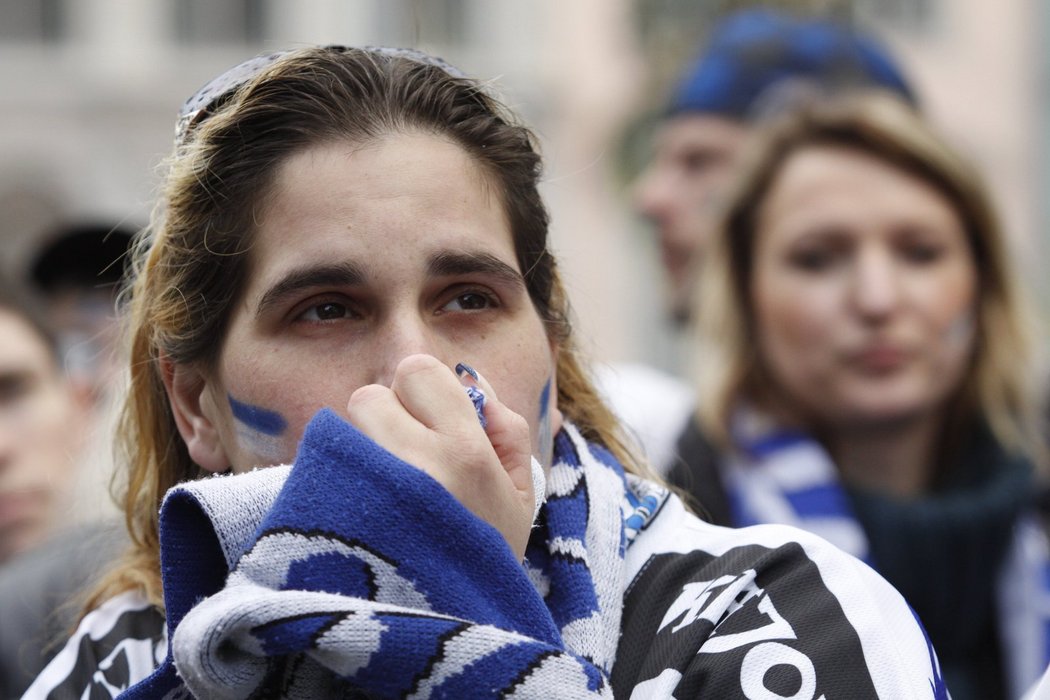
354 569
781 475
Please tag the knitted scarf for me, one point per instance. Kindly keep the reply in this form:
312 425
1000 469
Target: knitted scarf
353 571
784 476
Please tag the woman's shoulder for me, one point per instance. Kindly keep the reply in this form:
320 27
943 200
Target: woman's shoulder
117 644
674 533
725 601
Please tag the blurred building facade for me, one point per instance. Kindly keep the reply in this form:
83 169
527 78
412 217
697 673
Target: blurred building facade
93 86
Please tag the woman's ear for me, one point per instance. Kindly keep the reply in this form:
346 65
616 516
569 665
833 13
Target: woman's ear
187 394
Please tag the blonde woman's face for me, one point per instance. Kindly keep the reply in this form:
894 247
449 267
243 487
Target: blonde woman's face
863 290
363 256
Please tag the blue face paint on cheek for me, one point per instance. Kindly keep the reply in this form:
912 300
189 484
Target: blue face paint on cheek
545 401
259 430
545 439
258 418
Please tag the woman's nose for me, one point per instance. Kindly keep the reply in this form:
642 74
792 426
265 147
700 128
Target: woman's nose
876 288
401 336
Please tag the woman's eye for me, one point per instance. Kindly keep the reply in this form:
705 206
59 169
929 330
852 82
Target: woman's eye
469 301
921 254
327 311
14 387
812 260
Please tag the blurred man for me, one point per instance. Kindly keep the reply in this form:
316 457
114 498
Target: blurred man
77 272
42 422
756 64
59 389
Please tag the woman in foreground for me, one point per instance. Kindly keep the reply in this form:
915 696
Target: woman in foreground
348 275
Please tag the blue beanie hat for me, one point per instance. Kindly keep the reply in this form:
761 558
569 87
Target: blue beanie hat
754 54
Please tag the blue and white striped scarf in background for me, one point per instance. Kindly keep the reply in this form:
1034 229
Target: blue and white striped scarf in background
781 475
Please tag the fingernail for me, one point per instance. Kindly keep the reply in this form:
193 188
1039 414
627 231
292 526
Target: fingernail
462 369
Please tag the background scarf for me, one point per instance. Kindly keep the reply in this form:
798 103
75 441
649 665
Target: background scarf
784 476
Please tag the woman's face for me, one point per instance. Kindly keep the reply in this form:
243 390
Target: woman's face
863 290
363 255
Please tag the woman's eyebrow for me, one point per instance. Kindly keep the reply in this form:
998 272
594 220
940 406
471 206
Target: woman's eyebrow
447 263
345 274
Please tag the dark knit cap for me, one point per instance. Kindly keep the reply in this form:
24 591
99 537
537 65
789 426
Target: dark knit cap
83 255
754 58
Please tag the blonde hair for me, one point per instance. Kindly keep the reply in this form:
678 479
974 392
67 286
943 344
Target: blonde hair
997 387
189 266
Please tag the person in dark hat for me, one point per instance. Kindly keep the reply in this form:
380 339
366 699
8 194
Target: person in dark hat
82 255
756 64
41 425
60 352
77 271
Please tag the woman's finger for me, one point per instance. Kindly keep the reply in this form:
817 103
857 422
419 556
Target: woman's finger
431 393
507 431
378 413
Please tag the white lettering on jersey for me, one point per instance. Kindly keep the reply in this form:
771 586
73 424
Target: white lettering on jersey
660 687
704 601
764 657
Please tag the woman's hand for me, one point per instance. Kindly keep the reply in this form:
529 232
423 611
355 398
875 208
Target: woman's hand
426 419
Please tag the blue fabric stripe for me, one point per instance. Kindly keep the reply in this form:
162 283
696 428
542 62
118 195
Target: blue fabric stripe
821 501
292 635
768 444
407 651
574 597
1046 620
492 675
739 511
568 514
333 573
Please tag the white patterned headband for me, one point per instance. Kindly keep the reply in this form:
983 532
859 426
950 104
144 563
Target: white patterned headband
218 90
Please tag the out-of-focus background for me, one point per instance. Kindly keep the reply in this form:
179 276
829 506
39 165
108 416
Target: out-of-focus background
92 87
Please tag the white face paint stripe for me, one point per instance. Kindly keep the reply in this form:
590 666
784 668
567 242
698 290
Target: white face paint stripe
266 447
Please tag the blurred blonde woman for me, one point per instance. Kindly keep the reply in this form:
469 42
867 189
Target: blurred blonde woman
868 377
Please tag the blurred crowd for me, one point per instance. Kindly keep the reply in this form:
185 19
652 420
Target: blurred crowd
863 355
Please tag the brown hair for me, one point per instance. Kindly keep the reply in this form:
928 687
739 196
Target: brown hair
997 386
190 266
